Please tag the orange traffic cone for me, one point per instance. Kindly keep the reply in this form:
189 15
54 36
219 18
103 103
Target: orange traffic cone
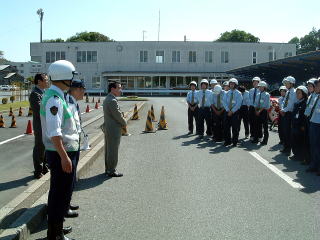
162 125
87 98
135 113
87 109
20 112
153 118
29 128
10 112
96 106
149 125
2 122
13 122
124 131
30 112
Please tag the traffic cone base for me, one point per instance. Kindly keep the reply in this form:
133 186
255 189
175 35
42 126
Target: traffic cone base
13 122
2 125
149 125
29 128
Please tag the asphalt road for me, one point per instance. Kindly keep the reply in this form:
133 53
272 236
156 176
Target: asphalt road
16 165
178 187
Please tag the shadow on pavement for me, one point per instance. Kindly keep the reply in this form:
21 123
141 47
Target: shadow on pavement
91 182
182 136
16 183
9 219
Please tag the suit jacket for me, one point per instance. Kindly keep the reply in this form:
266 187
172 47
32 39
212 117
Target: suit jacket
113 119
35 100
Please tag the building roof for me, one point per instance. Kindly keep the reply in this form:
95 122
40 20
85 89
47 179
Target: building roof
9 75
302 66
2 67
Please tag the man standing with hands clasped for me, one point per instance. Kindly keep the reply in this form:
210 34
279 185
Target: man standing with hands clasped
113 122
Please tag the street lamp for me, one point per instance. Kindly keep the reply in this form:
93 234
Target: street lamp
40 12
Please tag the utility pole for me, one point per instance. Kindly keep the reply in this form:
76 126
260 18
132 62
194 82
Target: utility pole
159 27
40 12
143 32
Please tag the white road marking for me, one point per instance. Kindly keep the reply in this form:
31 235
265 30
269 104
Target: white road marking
11 139
274 169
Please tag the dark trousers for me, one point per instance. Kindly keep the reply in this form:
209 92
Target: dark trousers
307 157
244 116
261 128
314 135
217 126
287 119
193 115
61 186
280 129
39 160
298 142
252 120
233 123
204 115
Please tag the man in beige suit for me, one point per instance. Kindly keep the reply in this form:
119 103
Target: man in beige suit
113 121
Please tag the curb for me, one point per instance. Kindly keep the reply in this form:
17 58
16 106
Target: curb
21 228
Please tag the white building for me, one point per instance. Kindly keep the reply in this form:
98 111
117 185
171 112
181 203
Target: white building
28 69
156 66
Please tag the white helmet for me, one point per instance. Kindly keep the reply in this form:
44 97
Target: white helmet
213 81
256 79
225 83
283 88
303 89
194 83
204 81
217 89
289 79
263 84
311 81
61 70
233 80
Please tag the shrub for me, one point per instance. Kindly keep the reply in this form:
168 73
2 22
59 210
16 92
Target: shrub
4 100
12 98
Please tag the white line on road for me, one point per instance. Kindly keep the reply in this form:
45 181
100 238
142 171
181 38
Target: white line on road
11 139
285 177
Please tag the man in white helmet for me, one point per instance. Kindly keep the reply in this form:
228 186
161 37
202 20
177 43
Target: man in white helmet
253 92
283 90
286 113
61 140
232 103
193 108
213 83
204 97
244 110
217 113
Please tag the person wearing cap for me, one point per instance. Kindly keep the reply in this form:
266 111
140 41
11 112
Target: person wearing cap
244 109
204 97
61 141
225 86
298 129
262 105
75 94
39 160
282 91
193 108
232 103
113 122
217 113
253 92
286 113
314 132
310 102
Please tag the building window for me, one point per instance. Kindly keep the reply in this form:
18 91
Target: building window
176 82
175 56
148 82
254 57
272 55
55 56
143 56
288 54
21 65
96 82
86 56
192 56
208 56
159 56
224 57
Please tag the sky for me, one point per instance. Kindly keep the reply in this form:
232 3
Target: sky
124 20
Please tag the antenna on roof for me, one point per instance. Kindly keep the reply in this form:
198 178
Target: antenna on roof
159 27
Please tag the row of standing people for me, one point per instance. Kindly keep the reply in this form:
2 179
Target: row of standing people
223 110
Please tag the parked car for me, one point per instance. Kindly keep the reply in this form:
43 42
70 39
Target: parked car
4 87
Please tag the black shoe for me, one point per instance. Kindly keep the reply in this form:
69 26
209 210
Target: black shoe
190 132
281 143
311 170
234 144
227 144
264 143
74 207
114 174
67 230
294 158
45 170
38 175
200 137
71 214
254 141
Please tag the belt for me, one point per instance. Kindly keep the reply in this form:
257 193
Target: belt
205 107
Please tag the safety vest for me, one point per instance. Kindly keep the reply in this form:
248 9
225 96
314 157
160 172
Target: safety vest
70 135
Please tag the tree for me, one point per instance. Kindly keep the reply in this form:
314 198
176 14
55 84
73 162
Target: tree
89 37
237 36
54 40
2 59
309 42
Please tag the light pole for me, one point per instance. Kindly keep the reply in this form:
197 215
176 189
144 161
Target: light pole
40 12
